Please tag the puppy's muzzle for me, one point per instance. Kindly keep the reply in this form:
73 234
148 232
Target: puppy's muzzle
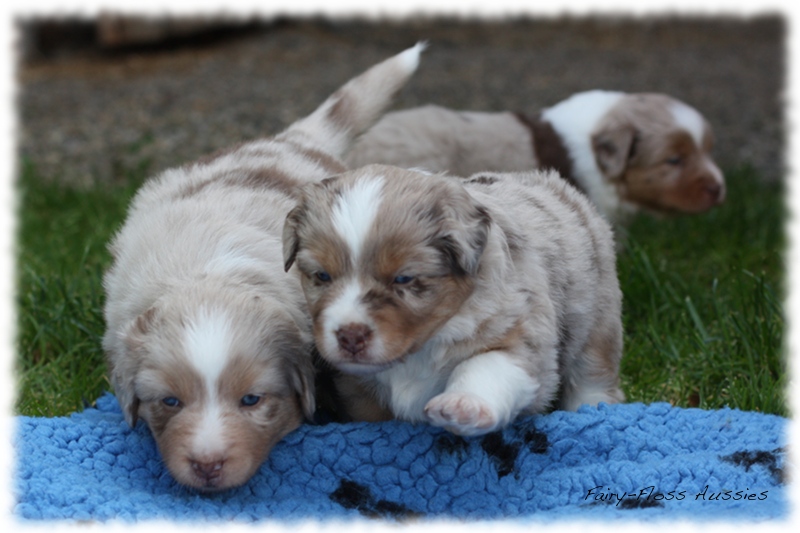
709 192
715 192
208 472
353 340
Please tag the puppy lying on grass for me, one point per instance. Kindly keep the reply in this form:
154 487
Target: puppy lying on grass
627 152
460 302
208 340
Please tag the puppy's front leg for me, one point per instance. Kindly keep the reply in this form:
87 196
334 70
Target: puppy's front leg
483 394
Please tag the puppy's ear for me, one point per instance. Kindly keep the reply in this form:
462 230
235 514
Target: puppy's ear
297 216
613 147
302 379
466 238
125 366
291 240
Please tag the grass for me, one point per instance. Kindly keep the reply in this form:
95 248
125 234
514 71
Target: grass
702 311
61 250
702 304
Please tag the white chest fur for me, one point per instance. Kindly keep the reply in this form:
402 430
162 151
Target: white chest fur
408 386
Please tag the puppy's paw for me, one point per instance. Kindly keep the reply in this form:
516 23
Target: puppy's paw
462 413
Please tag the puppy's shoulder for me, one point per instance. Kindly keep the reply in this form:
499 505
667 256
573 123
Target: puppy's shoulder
522 186
536 198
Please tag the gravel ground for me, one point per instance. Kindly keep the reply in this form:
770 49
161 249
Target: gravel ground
92 117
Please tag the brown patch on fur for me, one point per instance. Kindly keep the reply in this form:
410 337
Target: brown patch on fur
249 178
342 110
210 158
548 147
672 176
404 328
265 178
329 163
657 165
511 340
183 383
334 259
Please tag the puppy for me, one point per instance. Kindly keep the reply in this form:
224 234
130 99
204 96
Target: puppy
627 152
458 302
208 340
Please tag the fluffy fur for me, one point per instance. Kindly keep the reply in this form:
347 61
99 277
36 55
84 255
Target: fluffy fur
627 152
208 340
460 302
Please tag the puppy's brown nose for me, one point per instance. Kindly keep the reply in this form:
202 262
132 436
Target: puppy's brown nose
207 471
716 191
353 338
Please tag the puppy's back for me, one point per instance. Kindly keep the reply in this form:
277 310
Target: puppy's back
552 230
438 139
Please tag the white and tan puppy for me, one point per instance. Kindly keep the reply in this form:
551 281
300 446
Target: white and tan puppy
627 152
208 340
459 302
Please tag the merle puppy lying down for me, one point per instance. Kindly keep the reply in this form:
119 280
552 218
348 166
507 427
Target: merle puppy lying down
627 152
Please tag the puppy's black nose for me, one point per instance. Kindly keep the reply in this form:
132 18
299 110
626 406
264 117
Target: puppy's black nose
353 338
207 471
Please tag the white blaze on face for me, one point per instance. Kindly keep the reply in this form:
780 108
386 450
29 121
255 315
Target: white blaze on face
355 211
207 344
689 119
354 214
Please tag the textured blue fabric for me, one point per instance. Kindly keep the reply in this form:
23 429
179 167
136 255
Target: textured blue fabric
700 465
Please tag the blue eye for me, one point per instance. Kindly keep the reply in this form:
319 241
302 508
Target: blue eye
675 160
402 280
171 401
249 400
323 276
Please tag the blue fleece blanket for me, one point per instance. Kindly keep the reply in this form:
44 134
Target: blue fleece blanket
612 462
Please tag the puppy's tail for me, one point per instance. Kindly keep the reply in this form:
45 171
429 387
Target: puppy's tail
357 105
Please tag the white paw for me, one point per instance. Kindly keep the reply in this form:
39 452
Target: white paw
461 413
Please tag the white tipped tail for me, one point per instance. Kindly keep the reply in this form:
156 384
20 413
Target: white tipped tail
358 104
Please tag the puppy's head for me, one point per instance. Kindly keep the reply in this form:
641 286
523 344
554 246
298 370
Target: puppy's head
219 378
658 151
387 256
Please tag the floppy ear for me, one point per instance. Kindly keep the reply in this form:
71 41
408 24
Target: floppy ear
613 147
296 217
291 241
285 341
463 242
125 366
302 379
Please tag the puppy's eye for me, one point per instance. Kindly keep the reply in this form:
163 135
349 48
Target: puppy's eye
403 280
675 161
249 400
323 276
171 401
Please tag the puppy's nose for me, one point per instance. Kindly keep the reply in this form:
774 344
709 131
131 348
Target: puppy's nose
716 191
353 338
207 470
